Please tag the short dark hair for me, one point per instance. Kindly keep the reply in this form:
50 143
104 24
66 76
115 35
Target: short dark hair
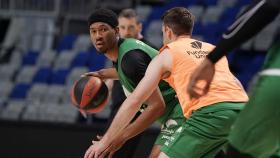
179 19
129 13
104 15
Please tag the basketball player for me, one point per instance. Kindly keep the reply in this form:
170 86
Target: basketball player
129 27
208 119
131 58
256 132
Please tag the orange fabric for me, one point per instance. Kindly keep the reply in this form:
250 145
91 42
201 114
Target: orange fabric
188 53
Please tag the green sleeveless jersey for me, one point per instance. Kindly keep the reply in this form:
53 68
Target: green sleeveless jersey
167 92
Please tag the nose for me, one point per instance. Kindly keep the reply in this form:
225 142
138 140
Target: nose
127 32
98 34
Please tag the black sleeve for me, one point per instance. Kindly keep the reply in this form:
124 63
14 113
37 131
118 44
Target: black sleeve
134 64
246 26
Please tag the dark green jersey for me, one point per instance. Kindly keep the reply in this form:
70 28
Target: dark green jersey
167 92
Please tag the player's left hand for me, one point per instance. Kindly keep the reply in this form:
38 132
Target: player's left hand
95 150
115 146
201 79
110 150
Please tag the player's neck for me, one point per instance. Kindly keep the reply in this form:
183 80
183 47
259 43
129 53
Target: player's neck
182 36
174 37
112 54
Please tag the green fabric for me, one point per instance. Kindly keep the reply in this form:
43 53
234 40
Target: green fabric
174 121
257 129
277 154
205 133
126 46
167 92
273 57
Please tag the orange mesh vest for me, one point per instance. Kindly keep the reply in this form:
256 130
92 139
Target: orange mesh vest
186 55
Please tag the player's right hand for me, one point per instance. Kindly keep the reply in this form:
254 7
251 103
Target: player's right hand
108 73
201 79
93 73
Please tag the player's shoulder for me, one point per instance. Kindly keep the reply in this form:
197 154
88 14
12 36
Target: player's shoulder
133 41
198 44
136 57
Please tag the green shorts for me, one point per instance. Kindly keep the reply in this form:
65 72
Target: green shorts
173 122
205 133
257 130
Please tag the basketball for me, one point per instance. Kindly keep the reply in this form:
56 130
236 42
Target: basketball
89 94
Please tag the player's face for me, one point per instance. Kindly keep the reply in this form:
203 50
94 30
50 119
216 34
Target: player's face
129 27
103 36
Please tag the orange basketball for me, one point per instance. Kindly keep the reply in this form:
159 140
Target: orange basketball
89 94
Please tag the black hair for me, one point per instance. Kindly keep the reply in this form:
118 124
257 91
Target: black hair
104 15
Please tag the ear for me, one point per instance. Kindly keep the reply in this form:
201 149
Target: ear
169 32
164 28
117 30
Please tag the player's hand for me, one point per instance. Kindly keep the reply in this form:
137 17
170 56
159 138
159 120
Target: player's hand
115 146
108 73
93 73
201 79
95 150
99 137
111 149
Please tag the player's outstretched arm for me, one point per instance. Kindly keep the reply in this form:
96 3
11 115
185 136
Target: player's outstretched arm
154 110
130 106
108 73
246 26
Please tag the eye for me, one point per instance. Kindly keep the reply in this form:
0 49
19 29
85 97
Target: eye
131 27
92 31
104 29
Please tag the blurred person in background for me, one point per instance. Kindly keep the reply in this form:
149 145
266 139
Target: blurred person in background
130 26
